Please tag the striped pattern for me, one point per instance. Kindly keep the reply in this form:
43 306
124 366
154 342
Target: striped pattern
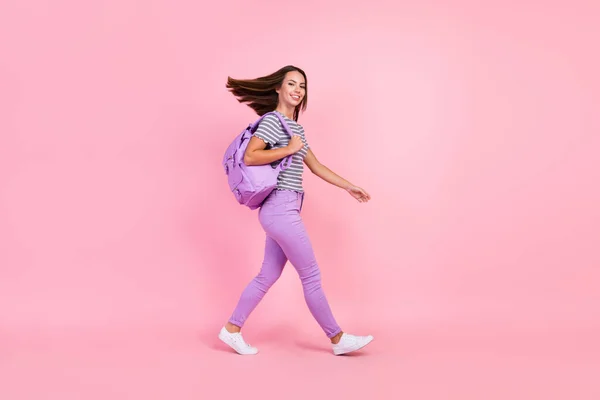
272 133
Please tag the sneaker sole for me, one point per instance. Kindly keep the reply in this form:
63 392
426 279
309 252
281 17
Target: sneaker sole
355 348
224 340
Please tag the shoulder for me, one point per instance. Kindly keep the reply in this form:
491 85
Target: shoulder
270 122
294 125
270 129
271 119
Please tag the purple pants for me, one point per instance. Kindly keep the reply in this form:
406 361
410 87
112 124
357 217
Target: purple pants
286 240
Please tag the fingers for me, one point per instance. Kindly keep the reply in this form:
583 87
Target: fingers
365 196
364 193
359 194
361 198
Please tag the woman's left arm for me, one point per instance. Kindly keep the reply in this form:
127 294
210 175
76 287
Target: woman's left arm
331 177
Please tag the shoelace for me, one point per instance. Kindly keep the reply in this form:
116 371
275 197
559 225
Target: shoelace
241 340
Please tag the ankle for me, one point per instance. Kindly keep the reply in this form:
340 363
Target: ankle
336 338
231 328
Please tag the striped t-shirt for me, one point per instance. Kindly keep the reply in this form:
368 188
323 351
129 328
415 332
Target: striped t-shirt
272 133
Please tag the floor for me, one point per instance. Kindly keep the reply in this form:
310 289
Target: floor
405 362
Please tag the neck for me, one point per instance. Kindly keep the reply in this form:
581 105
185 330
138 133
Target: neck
287 111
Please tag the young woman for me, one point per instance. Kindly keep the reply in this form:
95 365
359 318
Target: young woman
285 92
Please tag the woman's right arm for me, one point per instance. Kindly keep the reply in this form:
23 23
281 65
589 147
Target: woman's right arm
257 155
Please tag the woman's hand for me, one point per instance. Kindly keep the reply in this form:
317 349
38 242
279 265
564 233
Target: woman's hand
359 194
295 144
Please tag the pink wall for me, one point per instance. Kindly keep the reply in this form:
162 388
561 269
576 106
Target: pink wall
474 128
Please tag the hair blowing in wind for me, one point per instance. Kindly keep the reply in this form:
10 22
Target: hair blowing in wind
260 93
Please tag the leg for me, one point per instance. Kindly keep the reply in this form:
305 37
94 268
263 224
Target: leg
291 235
271 269
288 230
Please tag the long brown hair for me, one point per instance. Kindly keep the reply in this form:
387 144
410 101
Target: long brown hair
260 93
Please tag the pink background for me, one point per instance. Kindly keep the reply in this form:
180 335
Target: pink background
473 125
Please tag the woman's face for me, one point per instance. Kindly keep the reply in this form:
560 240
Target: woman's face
293 89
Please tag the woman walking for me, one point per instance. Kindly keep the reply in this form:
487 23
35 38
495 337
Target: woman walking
285 92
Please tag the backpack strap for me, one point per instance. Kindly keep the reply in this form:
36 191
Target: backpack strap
284 124
287 129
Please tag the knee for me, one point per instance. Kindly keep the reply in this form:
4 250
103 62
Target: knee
312 277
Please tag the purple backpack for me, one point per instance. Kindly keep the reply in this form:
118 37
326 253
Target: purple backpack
251 184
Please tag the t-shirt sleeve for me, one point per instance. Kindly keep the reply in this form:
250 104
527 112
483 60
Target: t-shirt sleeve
269 130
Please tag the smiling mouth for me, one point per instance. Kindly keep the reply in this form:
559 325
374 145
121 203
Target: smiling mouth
295 97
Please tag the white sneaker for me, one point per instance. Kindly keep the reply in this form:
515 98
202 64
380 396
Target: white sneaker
236 342
349 343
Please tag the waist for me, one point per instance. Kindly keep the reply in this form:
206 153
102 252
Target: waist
287 193
284 196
